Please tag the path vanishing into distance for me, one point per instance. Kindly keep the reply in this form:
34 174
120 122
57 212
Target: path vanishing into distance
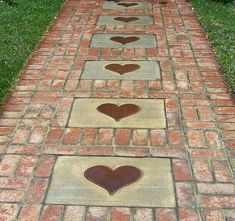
121 114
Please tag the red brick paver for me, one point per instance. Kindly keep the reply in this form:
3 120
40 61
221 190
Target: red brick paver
200 114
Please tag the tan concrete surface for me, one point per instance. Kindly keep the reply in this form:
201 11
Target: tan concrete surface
85 114
154 189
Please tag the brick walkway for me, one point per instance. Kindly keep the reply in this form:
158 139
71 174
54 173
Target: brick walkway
199 137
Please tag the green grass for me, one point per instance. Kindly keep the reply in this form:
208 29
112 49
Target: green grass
218 20
22 24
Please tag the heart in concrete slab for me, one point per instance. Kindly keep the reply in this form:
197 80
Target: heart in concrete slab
118 112
127 4
122 69
126 19
124 40
112 180
163 2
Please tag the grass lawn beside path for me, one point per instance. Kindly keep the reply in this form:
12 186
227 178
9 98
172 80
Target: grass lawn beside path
22 24
218 20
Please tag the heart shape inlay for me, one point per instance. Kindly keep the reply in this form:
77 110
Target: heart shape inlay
112 180
124 40
122 69
118 112
163 2
126 19
127 4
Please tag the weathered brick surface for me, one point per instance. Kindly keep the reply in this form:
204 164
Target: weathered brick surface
120 214
200 116
29 212
8 165
37 190
45 166
96 213
181 170
74 213
26 166
165 214
143 214
52 213
8 211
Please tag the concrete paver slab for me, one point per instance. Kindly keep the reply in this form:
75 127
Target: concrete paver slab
146 70
153 189
85 114
125 20
126 5
138 41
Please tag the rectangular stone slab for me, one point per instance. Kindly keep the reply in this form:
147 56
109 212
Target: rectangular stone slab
109 20
154 189
103 41
114 5
149 70
85 114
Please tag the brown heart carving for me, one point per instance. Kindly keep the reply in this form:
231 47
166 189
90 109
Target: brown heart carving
163 2
124 19
122 69
118 112
124 40
127 4
112 180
